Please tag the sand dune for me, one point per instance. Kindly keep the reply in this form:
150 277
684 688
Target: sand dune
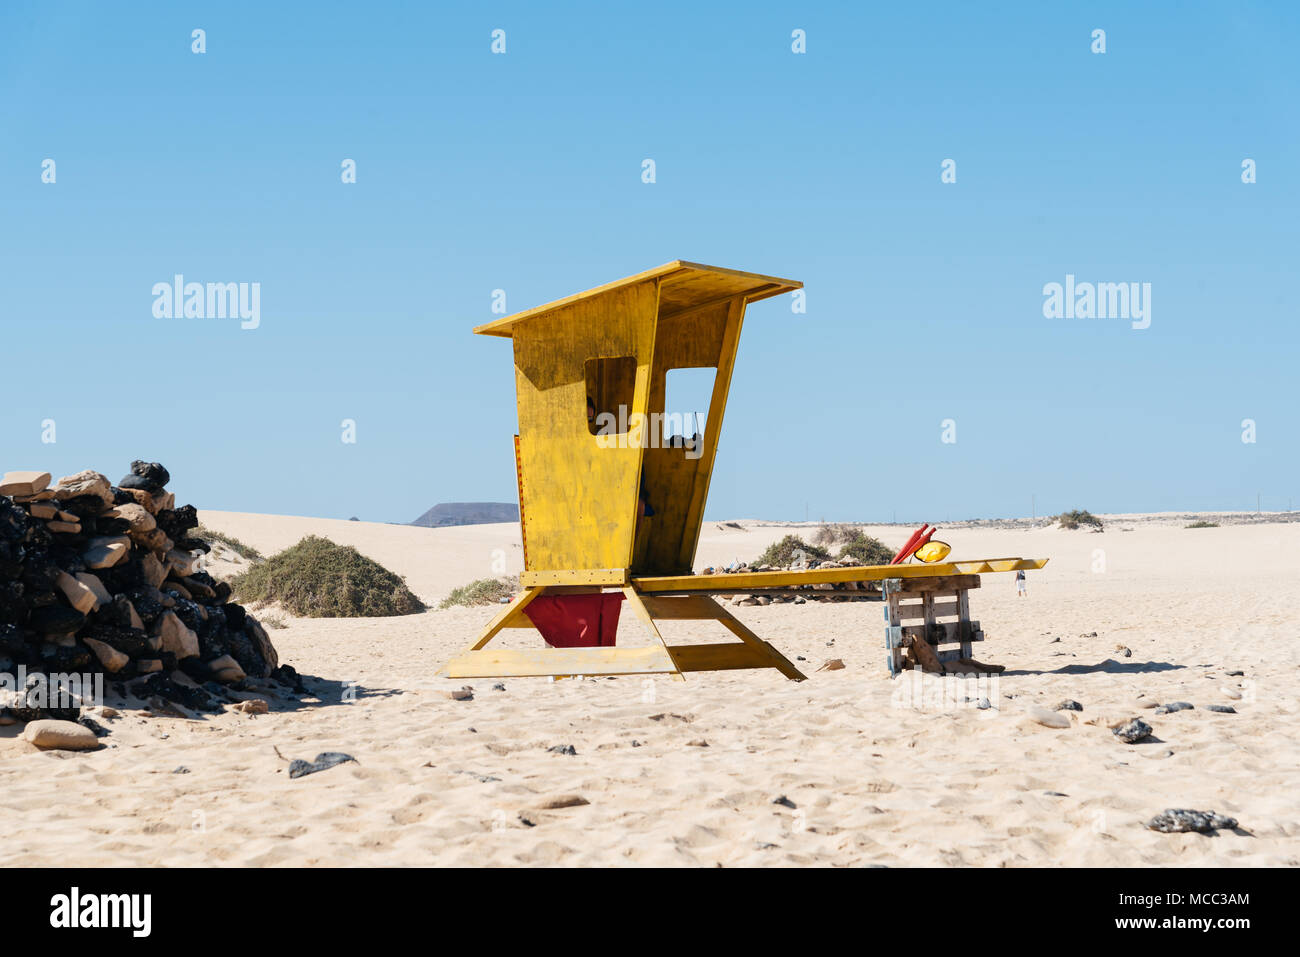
687 773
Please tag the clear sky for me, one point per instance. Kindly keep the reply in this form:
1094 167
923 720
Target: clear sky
522 171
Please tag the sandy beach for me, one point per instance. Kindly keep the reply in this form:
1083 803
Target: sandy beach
737 768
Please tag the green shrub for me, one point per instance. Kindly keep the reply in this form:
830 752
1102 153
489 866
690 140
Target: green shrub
785 553
485 591
1078 517
1201 523
318 579
865 550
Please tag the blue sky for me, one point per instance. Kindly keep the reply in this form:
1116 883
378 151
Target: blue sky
522 172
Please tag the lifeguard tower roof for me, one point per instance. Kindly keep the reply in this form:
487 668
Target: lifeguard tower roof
682 286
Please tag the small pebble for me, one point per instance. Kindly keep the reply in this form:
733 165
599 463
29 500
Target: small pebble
1132 731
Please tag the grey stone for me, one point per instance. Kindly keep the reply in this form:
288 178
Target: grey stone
1178 820
1132 731
325 760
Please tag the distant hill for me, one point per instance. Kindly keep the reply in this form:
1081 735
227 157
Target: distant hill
468 513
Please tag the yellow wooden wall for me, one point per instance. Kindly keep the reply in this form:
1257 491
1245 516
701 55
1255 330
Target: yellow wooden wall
580 500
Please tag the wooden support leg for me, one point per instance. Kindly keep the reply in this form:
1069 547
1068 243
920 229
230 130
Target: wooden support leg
893 625
777 660
638 606
963 616
512 611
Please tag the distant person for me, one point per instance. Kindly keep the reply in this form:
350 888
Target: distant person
1021 584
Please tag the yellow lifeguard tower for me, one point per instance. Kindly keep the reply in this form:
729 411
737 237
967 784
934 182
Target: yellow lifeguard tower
610 504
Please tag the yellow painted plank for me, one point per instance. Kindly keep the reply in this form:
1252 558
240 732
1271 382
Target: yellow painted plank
502 619
508 663
774 658
575 576
814 576
723 656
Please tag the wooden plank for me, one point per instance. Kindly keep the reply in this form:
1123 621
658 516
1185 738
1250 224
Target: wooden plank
509 663
575 576
791 592
688 283
502 618
937 609
940 577
945 584
963 616
893 628
951 631
519 480
777 660
723 656
638 606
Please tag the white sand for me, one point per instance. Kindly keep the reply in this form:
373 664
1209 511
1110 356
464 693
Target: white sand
451 782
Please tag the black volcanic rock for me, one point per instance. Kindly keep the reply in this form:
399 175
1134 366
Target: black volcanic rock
48 622
148 476
57 620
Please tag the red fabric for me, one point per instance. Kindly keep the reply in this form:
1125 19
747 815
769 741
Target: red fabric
576 621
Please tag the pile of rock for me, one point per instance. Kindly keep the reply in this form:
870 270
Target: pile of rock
101 577
799 594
